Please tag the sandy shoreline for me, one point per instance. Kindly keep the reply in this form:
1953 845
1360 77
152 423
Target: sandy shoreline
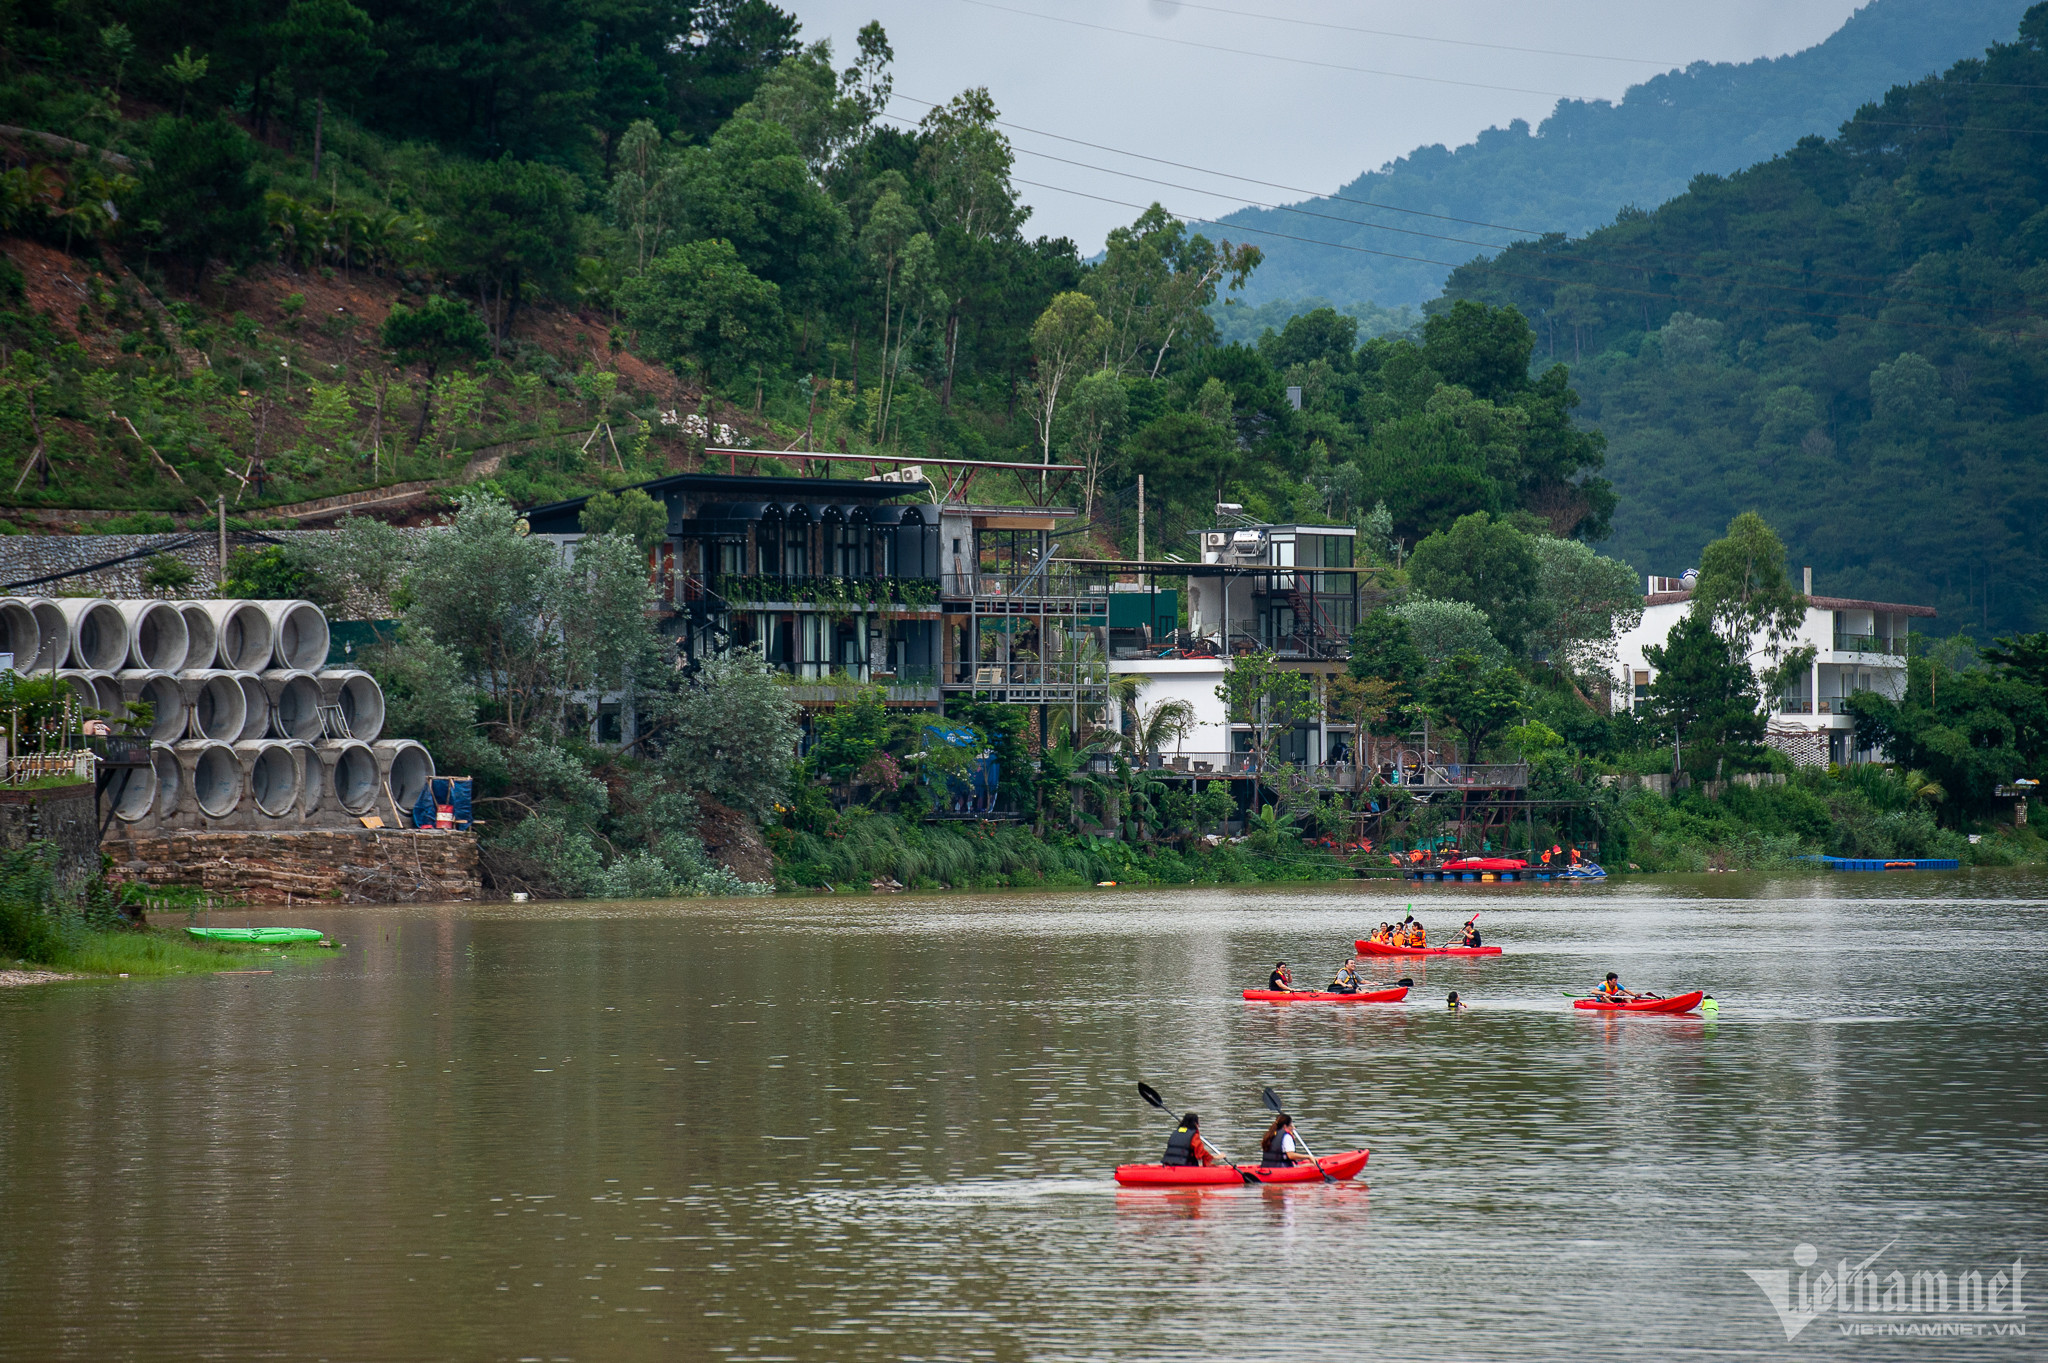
13 977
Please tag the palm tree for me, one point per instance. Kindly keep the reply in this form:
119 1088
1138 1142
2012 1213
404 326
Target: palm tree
1168 722
1924 788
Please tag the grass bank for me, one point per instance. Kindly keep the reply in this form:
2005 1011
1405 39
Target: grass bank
141 952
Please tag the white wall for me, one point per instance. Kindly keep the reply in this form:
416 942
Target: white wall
1193 680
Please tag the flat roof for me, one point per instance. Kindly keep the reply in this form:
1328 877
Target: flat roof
1826 603
768 488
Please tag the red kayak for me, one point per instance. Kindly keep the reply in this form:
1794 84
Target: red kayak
1366 948
1684 1003
1344 1166
1485 864
1394 995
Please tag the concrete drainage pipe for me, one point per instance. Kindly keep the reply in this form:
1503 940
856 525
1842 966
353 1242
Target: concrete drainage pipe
213 774
405 768
53 636
134 791
97 690
294 704
360 698
312 777
351 774
97 635
256 704
170 779
243 636
300 634
272 773
218 705
157 638
202 636
20 635
163 694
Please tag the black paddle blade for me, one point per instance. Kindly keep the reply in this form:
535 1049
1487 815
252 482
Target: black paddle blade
1405 982
1250 1180
1271 1100
1151 1095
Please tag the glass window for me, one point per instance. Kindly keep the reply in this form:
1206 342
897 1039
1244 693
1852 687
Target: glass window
1337 551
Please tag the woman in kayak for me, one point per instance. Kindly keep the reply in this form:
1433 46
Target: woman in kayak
1610 988
1347 981
1416 936
1277 1146
1470 937
1280 981
1185 1147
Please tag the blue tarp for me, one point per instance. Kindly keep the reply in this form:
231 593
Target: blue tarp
443 790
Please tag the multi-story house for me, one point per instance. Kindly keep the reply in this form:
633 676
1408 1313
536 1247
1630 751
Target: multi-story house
1858 646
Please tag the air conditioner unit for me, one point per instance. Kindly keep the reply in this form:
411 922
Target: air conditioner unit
1214 539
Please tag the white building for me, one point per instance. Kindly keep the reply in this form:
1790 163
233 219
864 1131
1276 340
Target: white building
1858 646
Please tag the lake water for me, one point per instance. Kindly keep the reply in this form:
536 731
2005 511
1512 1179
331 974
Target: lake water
883 1128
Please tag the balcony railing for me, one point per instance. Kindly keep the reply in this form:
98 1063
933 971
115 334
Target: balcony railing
1870 643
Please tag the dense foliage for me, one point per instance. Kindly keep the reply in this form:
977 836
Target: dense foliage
1592 158
1846 335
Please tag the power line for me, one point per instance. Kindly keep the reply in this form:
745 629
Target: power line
1367 203
1266 56
1424 38
1529 278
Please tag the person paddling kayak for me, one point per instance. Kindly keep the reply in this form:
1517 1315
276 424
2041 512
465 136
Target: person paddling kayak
1610 988
1470 937
1185 1147
1278 1147
1347 980
1280 981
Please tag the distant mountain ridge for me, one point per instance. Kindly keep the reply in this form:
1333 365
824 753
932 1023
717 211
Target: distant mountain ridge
1592 158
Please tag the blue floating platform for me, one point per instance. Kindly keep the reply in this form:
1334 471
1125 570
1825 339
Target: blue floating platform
1888 864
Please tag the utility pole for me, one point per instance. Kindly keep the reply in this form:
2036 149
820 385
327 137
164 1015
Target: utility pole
220 577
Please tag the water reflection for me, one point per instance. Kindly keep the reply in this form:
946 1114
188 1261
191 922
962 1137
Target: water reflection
842 1129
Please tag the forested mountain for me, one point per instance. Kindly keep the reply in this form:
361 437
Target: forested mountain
1849 338
1592 158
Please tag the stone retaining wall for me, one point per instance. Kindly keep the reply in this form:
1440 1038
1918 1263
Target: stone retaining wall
354 866
58 814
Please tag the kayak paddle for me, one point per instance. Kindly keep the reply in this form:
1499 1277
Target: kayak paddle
1272 1101
1151 1095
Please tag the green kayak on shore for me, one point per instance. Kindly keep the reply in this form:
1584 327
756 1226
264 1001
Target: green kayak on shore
267 936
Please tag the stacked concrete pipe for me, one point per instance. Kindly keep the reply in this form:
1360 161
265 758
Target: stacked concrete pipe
20 636
52 641
163 693
350 776
202 636
96 690
360 698
217 704
244 638
213 776
157 637
294 704
404 768
96 635
299 631
270 774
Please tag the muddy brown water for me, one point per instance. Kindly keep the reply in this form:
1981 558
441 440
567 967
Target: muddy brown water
883 1128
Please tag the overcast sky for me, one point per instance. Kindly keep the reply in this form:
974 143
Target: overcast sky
1309 113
